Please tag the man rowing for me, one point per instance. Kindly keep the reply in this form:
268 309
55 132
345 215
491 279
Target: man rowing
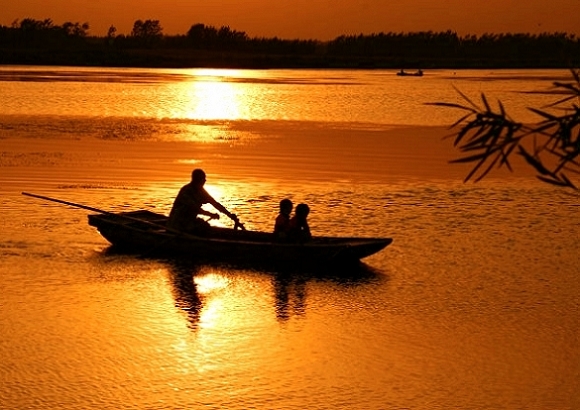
188 206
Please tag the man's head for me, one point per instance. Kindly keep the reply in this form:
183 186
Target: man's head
198 177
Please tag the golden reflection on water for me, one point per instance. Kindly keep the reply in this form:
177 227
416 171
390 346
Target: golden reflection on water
212 313
222 311
211 281
209 97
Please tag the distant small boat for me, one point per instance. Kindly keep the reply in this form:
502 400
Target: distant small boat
403 73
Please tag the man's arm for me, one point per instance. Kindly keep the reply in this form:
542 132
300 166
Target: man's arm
221 208
207 213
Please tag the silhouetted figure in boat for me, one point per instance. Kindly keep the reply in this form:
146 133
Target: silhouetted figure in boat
282 225
418 73
299 230
188 205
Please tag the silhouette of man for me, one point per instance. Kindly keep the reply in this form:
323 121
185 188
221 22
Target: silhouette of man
188 205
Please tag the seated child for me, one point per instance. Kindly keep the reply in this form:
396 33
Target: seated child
282 225
299 230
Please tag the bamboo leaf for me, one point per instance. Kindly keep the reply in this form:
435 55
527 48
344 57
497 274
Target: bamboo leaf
485 102
489 138
551 181
505 159
501 109
540 129
464 132
471 158
568 182
530 159
561 101
567 86
462 119
482 141
466 98
488 169
452 105
474 170
543 114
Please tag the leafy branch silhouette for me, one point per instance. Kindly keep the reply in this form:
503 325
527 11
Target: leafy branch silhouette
489 137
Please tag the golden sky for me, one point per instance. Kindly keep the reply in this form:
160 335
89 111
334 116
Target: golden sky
309 19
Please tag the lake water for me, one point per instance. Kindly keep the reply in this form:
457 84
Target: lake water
474 306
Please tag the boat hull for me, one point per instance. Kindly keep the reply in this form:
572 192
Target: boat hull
406 74
143 232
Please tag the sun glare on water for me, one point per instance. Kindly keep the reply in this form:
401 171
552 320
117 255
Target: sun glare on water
210 282
209 96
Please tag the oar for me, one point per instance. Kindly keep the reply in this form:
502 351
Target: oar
101 211
88 208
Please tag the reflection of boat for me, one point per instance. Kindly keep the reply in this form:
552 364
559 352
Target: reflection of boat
288 283
418 73
144 232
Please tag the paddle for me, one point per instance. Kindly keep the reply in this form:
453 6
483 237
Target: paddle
89 208
100 211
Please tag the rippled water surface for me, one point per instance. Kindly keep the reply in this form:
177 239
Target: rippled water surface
473 306
339 96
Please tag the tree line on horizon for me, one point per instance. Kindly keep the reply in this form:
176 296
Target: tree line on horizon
30 41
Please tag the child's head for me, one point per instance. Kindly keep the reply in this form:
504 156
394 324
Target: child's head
302 210
286 206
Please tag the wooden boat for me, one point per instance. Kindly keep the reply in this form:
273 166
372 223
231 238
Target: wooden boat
144 232
403 73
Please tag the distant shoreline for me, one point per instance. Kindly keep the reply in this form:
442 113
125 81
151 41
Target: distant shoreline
178 58
35 42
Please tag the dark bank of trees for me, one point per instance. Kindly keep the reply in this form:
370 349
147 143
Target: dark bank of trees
30 41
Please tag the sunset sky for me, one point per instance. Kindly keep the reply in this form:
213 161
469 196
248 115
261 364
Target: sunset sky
309 19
